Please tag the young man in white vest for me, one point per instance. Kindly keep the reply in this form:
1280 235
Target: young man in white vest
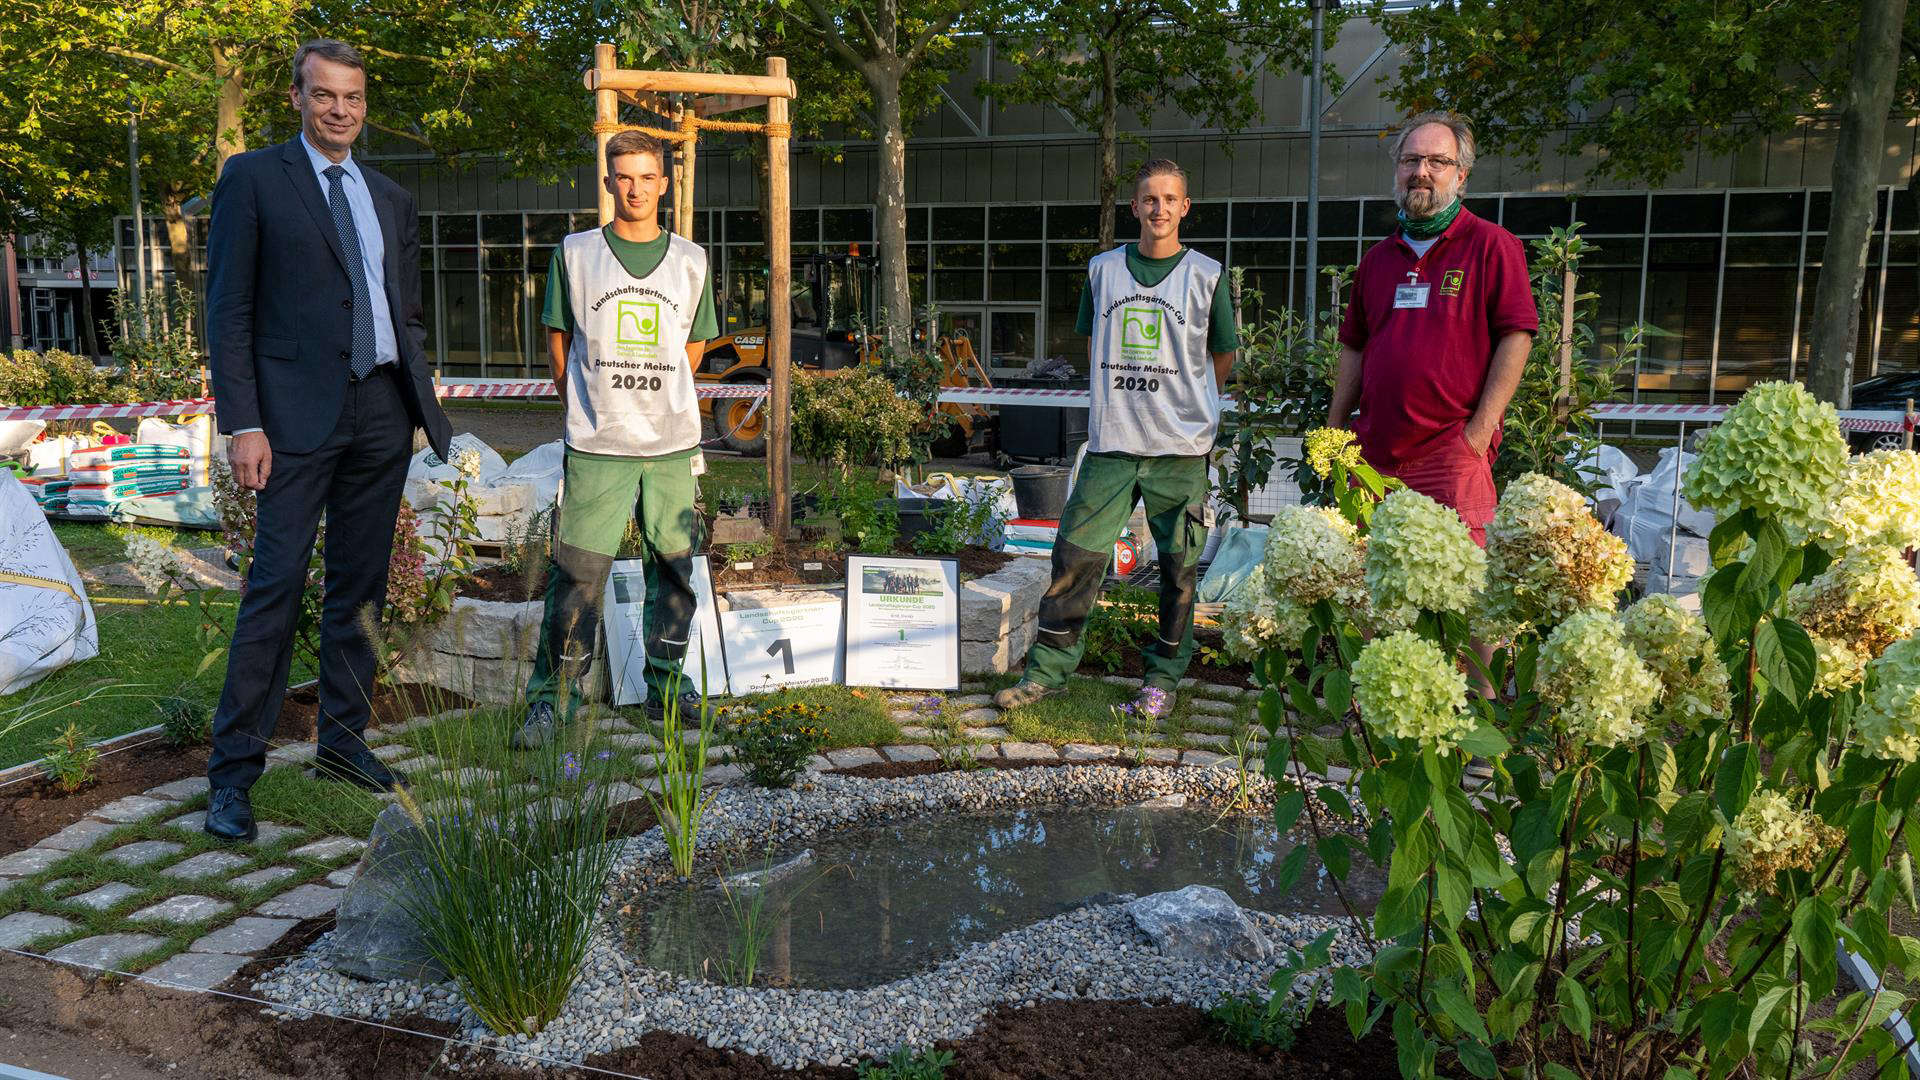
1159 322
629 311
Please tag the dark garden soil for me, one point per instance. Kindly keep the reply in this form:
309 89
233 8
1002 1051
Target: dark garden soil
890 770
58 1022
1235 673
502 583
33 809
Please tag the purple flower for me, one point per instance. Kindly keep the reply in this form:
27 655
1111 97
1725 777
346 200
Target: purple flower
570 767
1152 701
604 755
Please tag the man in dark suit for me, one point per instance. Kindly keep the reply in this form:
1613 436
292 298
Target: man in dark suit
319 374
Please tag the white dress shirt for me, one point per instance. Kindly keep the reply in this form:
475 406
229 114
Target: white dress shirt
373 245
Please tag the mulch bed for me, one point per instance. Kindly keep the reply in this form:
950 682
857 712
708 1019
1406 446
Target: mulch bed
60 1022
1235 673
33 809
502 583
892 770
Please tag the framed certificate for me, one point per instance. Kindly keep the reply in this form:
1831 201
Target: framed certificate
903 622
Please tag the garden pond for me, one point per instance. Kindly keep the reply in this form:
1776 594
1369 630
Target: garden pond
883 901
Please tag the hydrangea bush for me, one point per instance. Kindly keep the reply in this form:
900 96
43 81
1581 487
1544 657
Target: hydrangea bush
1680 816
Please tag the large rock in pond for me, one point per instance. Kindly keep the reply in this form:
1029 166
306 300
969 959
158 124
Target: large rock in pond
1199 922
375 936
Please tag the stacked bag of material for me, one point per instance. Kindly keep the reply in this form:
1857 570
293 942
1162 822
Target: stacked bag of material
102 477
49 492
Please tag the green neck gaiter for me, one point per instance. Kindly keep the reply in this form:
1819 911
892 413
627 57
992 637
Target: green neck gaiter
1428 228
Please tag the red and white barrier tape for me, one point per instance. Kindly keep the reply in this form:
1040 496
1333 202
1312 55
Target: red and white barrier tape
1883 420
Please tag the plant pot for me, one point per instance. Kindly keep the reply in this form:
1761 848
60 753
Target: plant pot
917 515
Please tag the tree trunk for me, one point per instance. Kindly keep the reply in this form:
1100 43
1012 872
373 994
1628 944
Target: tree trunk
895 314
1856 174
1109 145
87 339
229 130
179 239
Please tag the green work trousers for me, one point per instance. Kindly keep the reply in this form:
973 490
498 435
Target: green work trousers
1109 486
601 495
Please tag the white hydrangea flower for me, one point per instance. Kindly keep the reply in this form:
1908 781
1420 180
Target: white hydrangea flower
1602 689
1779 452
1547 557
1406 687
1313 554
1256 621
1770 834
155 563
1675 645
1878 504
468 463
1889 723
1420 557
1867 600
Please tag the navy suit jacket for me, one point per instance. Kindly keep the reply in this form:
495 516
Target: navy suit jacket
279 301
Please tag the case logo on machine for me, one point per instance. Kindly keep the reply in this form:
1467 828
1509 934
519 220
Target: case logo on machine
637 322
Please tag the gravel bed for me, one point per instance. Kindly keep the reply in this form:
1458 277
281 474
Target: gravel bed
1092 952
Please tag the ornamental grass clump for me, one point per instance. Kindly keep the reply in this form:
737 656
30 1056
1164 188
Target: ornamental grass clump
507 868
1420 558
1548 558
1683 814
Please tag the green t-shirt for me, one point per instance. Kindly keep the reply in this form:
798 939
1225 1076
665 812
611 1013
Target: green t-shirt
640 260
1222 335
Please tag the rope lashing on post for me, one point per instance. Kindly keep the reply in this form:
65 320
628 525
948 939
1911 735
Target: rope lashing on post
772 131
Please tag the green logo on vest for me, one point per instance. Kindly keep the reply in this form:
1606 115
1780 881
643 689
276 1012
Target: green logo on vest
637 322
1140 328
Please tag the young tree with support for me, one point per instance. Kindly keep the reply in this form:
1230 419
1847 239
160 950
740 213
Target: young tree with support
704 96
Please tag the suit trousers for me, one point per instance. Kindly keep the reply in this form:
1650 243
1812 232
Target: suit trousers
355 478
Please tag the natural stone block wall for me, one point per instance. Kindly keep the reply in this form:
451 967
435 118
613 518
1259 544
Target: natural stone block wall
484 648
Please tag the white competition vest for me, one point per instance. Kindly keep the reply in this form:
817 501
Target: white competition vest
629 387
1151 375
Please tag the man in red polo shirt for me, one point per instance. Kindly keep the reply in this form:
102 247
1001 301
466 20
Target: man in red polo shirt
1437 328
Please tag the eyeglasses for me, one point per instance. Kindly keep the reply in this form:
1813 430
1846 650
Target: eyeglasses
1436 162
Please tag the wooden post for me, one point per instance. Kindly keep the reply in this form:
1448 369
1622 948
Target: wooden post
689 151
779 231
1563 401
606 110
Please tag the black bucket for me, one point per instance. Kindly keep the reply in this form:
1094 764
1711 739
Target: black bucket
917 515
1040 491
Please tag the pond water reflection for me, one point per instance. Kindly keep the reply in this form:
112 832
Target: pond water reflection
885 901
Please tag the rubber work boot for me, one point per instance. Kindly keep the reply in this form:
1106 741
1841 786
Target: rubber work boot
1023 693
536 728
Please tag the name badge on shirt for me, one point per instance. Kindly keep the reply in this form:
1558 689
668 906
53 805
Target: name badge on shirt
1410 296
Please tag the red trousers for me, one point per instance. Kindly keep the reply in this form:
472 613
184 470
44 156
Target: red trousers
1456 477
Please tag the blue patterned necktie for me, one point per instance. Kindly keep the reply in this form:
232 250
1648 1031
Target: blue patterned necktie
363 350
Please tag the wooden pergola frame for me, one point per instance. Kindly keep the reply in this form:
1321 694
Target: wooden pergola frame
712 95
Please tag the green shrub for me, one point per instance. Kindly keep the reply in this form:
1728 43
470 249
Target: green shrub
853 418
185 723
160 359
1256 1021
907 1064
960 522
71 759
53 377
774 742
869 516
1121 625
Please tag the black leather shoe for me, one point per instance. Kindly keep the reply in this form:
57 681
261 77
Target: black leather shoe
536 728
360 770
230 815
689 708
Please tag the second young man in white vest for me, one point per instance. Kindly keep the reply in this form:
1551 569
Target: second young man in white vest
1159 322
629 310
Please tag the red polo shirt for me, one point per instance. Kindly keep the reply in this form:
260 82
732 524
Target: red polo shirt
1422 368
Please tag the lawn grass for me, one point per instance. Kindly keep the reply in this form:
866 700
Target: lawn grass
287 794
147 652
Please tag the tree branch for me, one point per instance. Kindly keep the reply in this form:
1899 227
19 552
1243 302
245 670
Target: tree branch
407 135
938 28
155 61
832 35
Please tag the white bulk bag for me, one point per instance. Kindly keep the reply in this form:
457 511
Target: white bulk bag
46 622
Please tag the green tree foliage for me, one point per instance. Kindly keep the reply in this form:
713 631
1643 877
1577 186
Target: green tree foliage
1093 60
1643 89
